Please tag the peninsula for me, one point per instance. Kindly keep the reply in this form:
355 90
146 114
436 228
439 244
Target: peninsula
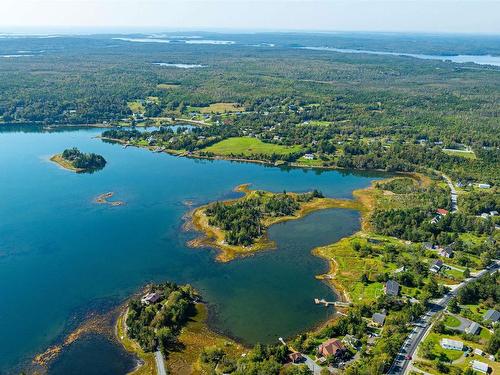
238 227
76 161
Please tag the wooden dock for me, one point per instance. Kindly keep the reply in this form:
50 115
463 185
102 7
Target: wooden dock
326 303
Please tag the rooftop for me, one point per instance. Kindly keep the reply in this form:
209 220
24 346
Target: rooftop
492 315
392 287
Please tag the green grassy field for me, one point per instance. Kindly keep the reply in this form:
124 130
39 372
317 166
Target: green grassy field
167 86
463 154
218 108
312 163
452 355
350 265
451 321
136 107
249 146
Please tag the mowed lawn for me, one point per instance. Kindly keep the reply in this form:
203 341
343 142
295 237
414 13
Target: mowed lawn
249 146
217 108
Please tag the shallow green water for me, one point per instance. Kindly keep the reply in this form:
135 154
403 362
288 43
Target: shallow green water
62 256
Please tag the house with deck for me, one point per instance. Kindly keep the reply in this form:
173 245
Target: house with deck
332 347
446 252
436 266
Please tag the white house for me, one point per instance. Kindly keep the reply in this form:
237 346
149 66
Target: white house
484 186
480 366
452 344
309 156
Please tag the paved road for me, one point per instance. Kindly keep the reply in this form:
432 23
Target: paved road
160 364
454 195
316 370
422 326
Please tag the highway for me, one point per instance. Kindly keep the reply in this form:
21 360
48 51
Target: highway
423 324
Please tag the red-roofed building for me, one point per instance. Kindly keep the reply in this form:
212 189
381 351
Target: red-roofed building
332 347
295 357
442 212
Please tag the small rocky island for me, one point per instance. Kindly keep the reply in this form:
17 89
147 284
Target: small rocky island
74 160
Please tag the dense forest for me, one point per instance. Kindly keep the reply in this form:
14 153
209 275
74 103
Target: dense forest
242 220
156 325
88 162
350 110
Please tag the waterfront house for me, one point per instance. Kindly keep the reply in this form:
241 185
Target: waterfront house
451 344
473 328
391 288
492 316
309 156
295 357
480 366
379 318
150 298
331 347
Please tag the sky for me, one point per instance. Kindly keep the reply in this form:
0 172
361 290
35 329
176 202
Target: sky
450 16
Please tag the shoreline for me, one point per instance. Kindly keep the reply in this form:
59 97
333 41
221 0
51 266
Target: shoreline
64 164
364 201
182 153
108 125
368 201
211 236
194 337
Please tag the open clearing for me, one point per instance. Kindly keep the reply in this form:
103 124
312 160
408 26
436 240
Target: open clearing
461 153
136 107
218 108
167 86
249 146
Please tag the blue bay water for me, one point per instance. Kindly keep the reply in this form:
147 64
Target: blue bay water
61 255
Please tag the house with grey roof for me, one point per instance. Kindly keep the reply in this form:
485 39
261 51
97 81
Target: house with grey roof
379 318
473 329
492 316
446 252
436 266
391 288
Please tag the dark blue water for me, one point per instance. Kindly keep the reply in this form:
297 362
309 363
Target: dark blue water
91 356
60 254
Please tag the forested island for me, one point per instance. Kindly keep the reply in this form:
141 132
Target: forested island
75 160
238 227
